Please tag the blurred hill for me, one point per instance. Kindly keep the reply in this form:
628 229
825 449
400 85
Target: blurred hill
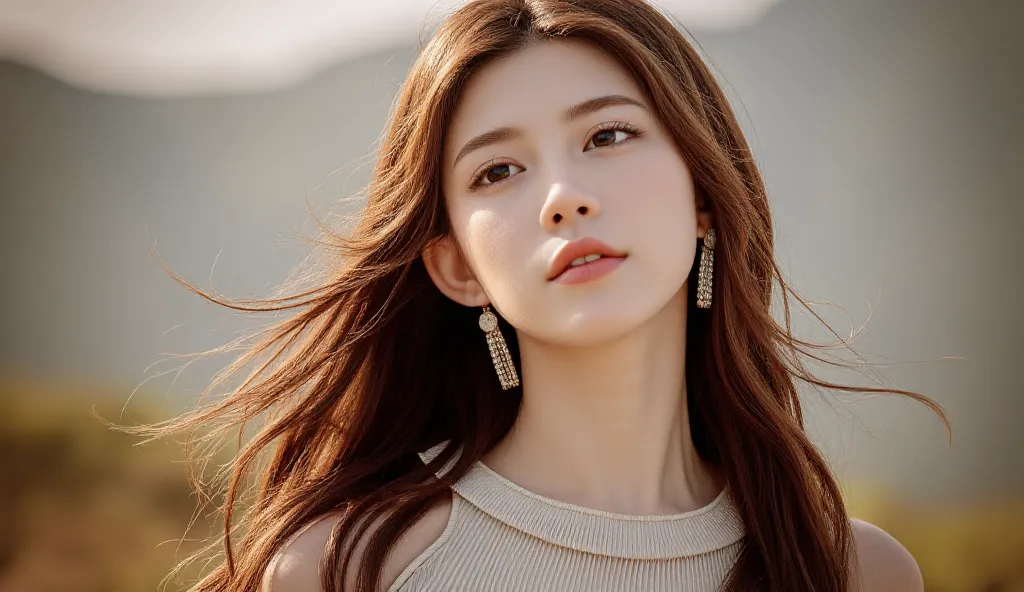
86 511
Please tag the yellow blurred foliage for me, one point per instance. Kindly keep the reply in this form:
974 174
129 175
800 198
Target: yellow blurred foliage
83 509
977 548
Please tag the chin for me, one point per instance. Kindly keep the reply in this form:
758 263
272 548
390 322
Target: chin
595 325
589 318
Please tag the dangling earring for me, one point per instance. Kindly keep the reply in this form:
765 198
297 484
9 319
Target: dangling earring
707 266
499 351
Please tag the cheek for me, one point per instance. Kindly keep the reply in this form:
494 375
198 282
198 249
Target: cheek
661 197
489 239
662 211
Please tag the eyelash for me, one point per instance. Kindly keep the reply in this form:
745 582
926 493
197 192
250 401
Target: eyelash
604 127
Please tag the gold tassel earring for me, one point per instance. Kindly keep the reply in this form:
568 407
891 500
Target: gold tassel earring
499 351
707 266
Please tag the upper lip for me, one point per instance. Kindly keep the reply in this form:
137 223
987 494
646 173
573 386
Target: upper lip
573 250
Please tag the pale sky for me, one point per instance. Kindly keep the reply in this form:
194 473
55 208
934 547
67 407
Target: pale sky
188 47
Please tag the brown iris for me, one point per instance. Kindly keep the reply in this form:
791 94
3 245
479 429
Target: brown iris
608 135
497 173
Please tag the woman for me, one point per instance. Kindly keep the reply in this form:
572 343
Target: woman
524 374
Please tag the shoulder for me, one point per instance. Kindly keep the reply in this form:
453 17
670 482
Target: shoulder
882 563
296 567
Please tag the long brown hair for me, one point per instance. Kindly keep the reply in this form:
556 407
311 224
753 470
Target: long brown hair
376 365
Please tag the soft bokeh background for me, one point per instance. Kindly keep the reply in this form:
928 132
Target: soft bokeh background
889 134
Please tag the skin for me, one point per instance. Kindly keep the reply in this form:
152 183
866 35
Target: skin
603 422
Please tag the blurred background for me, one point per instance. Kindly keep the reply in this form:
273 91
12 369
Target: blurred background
889 134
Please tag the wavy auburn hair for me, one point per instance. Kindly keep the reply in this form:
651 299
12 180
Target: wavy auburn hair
376 365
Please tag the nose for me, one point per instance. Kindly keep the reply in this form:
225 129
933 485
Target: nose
566 205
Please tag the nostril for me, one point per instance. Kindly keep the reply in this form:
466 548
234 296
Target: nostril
558 218
582 210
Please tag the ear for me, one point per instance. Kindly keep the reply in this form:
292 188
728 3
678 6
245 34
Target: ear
448 269
705 221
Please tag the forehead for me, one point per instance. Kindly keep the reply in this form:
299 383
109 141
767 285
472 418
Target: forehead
534 86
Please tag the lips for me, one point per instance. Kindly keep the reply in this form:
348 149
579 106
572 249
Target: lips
576 249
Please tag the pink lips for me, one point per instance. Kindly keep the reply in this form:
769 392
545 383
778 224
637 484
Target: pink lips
589 271
561 272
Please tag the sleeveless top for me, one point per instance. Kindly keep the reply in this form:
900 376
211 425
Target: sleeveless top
500 536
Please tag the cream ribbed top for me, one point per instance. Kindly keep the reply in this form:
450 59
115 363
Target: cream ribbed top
500 536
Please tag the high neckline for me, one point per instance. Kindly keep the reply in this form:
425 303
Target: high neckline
712 527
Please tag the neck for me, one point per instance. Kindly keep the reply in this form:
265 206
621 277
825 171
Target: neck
606 427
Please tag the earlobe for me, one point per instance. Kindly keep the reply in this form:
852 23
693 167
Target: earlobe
448 269
705 221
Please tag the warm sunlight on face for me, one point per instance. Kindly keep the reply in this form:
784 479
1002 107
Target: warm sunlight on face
533 161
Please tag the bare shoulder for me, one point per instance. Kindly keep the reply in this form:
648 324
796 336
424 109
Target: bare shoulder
883 564
296 567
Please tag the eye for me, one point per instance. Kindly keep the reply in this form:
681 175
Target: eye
492 173
606 135
610 134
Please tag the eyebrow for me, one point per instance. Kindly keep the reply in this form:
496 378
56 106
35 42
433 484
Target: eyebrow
577 111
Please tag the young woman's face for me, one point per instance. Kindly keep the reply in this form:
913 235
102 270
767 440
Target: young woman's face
611 173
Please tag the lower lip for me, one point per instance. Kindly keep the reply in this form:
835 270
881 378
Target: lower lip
589 272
